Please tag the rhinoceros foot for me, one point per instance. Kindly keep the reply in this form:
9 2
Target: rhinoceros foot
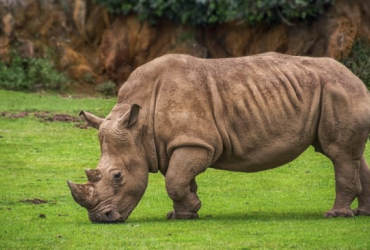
339 213
178 215
362 211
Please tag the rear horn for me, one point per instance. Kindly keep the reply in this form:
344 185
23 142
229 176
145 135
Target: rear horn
93 175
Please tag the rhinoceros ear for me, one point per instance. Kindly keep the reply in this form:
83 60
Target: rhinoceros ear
92 120
130 117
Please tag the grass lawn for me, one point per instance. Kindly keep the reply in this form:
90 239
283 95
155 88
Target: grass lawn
275 209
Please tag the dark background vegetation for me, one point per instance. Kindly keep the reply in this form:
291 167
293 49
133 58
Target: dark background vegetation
205 12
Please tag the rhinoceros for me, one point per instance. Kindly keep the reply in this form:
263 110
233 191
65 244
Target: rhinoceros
180 115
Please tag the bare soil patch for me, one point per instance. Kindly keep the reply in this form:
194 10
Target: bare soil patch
14 116
34 201
46 116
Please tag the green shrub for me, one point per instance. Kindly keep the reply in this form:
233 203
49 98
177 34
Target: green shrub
359 61
13 76
107 88
28 74
199 12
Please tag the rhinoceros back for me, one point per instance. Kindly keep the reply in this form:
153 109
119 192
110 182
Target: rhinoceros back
252 113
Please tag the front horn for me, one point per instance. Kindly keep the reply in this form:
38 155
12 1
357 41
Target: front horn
80 193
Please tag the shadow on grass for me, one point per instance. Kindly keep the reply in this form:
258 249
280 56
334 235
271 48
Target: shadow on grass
303 216
266 215
240 217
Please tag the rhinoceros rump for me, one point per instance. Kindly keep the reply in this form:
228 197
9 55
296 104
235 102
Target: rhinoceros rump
179 115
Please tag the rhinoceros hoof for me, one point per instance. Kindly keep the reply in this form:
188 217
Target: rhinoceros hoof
339 213
178 215
360 211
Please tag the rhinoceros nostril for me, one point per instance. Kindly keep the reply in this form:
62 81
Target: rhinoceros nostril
109 216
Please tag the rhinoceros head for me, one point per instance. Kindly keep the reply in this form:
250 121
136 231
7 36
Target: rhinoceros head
117 185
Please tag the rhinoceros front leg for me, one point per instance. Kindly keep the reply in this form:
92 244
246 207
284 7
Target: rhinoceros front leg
185 164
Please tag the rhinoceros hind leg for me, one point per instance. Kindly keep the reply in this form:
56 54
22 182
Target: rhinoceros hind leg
341 212
364 197
185 164
347 187
345 151
343 131
361 211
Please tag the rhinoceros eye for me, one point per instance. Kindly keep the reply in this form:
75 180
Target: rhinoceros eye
117 175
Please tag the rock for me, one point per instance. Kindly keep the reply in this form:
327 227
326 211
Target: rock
82 73
91 20
93 46
75 64
131 43
25 48
343 25
6 33
79 17
8 24
364 8
4 48
332 34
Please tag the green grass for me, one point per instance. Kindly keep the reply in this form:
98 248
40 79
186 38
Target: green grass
276 209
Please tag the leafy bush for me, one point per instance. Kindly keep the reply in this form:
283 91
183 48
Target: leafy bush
107 88
359 61
199 12
30 74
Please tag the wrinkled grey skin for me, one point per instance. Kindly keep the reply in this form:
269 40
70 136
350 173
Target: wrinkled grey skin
180 115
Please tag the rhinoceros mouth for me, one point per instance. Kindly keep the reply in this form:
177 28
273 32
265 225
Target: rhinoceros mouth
111 212
106 216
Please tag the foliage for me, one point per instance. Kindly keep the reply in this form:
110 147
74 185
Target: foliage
200 12
276 209
89 78
27 74
359 61
107 89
